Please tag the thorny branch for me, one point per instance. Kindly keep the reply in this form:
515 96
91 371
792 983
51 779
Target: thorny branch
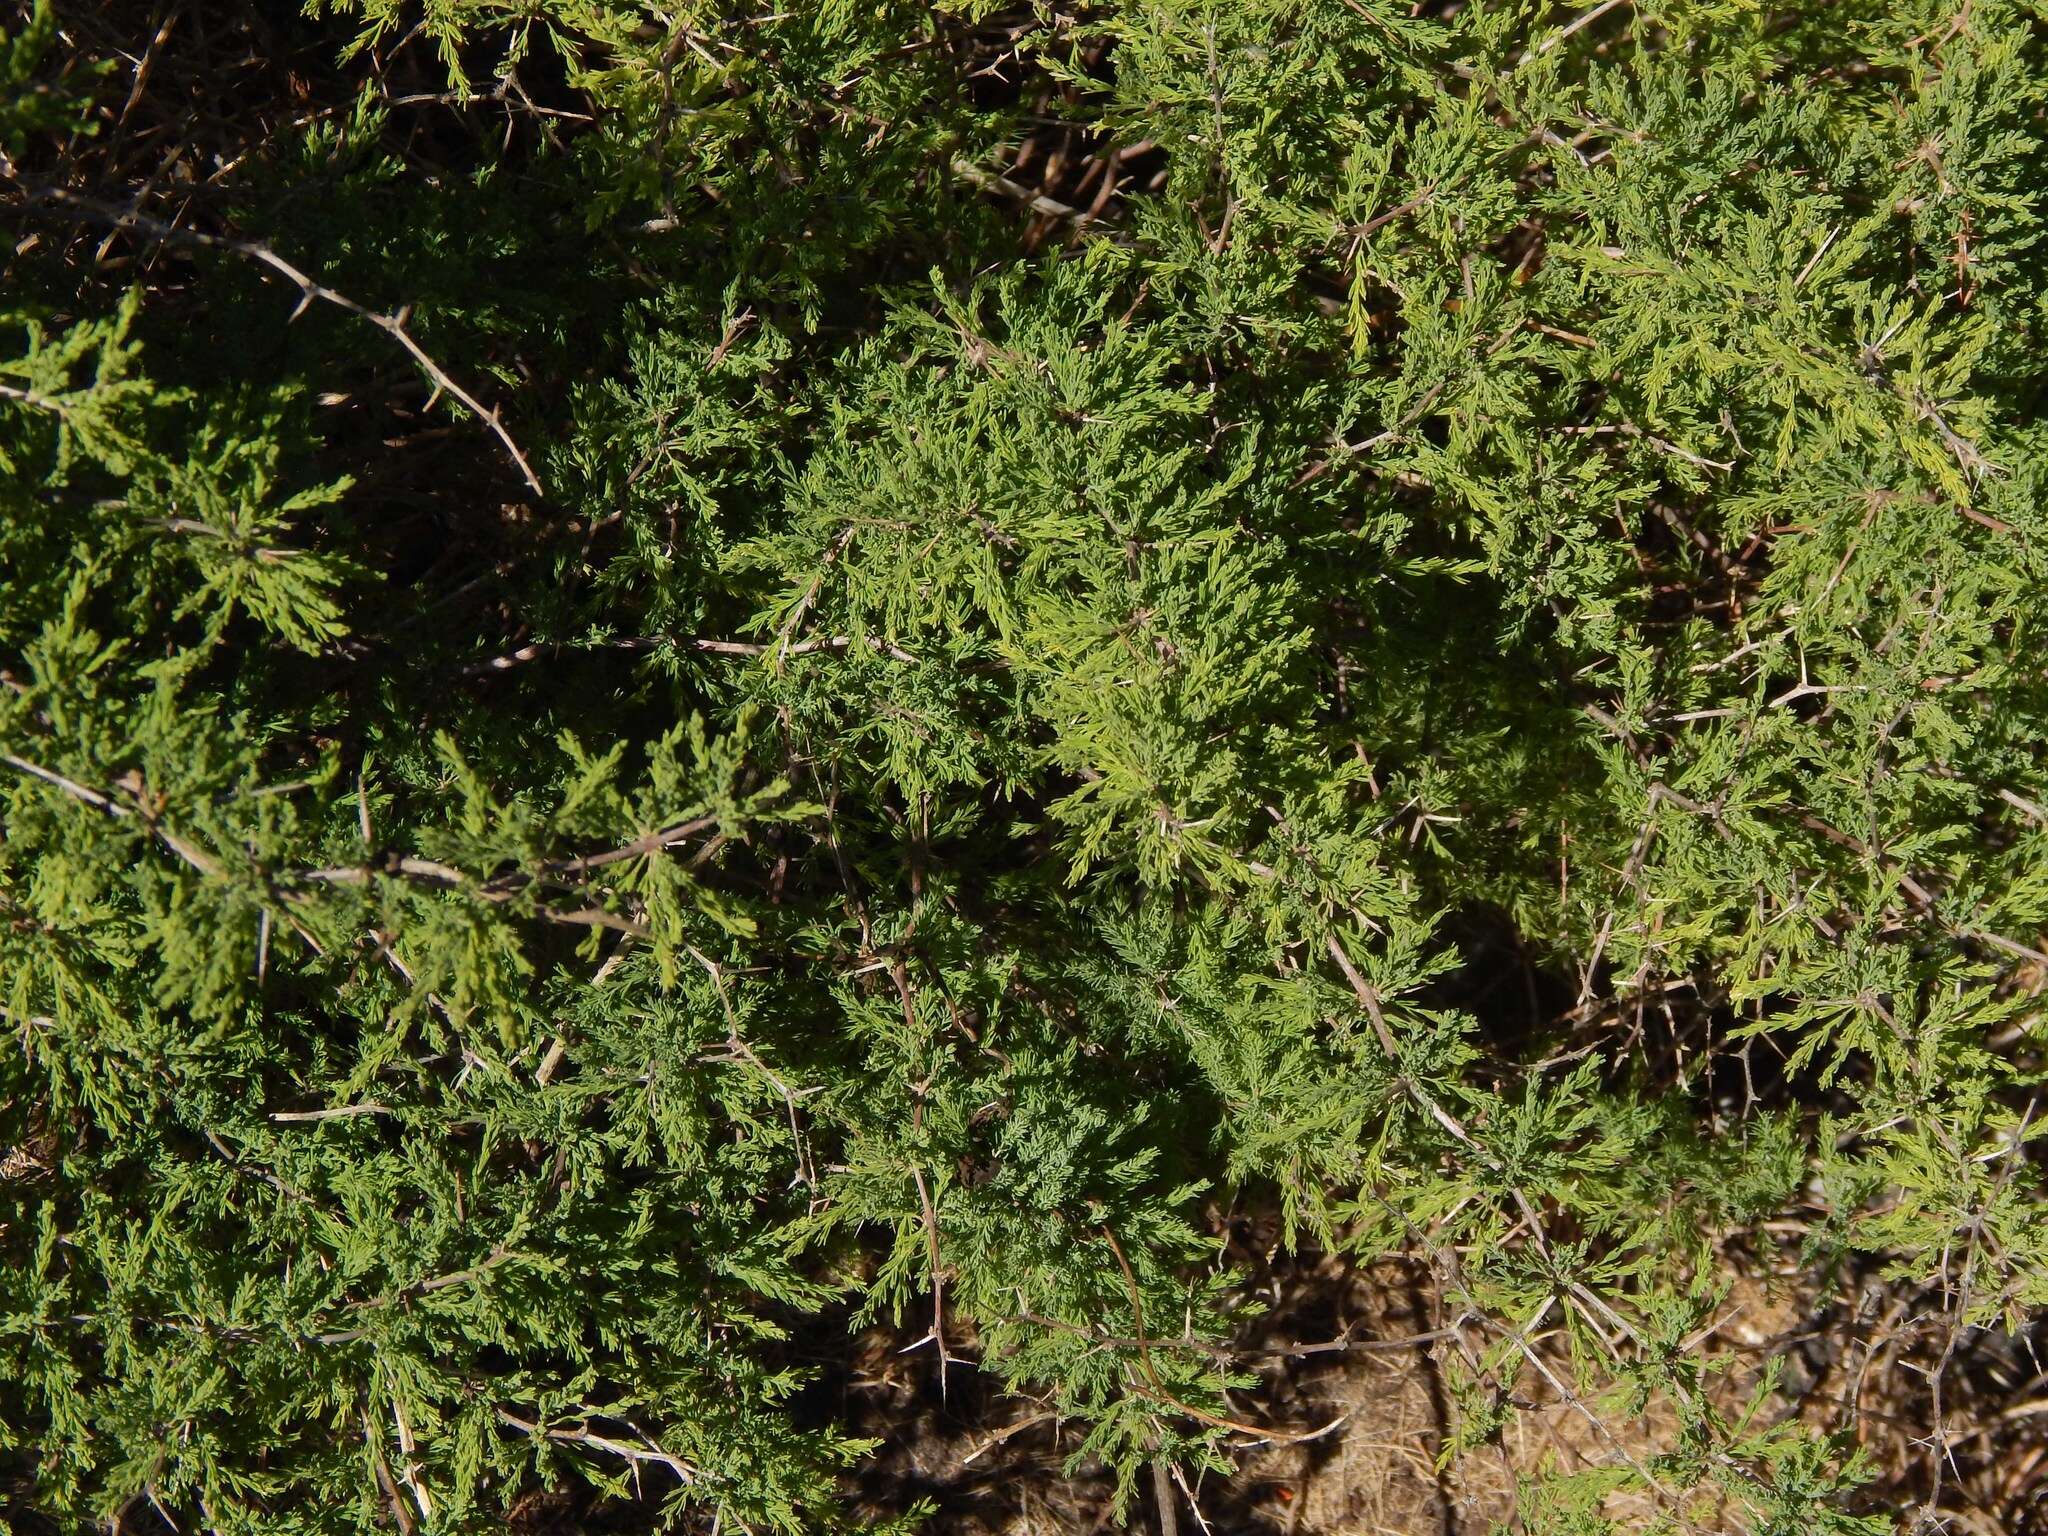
394 324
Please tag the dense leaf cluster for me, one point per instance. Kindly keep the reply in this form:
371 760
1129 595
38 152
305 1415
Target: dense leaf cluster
965 713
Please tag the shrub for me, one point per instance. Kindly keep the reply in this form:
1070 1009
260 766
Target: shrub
679 673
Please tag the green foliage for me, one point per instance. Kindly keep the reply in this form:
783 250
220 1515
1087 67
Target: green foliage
1002 729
